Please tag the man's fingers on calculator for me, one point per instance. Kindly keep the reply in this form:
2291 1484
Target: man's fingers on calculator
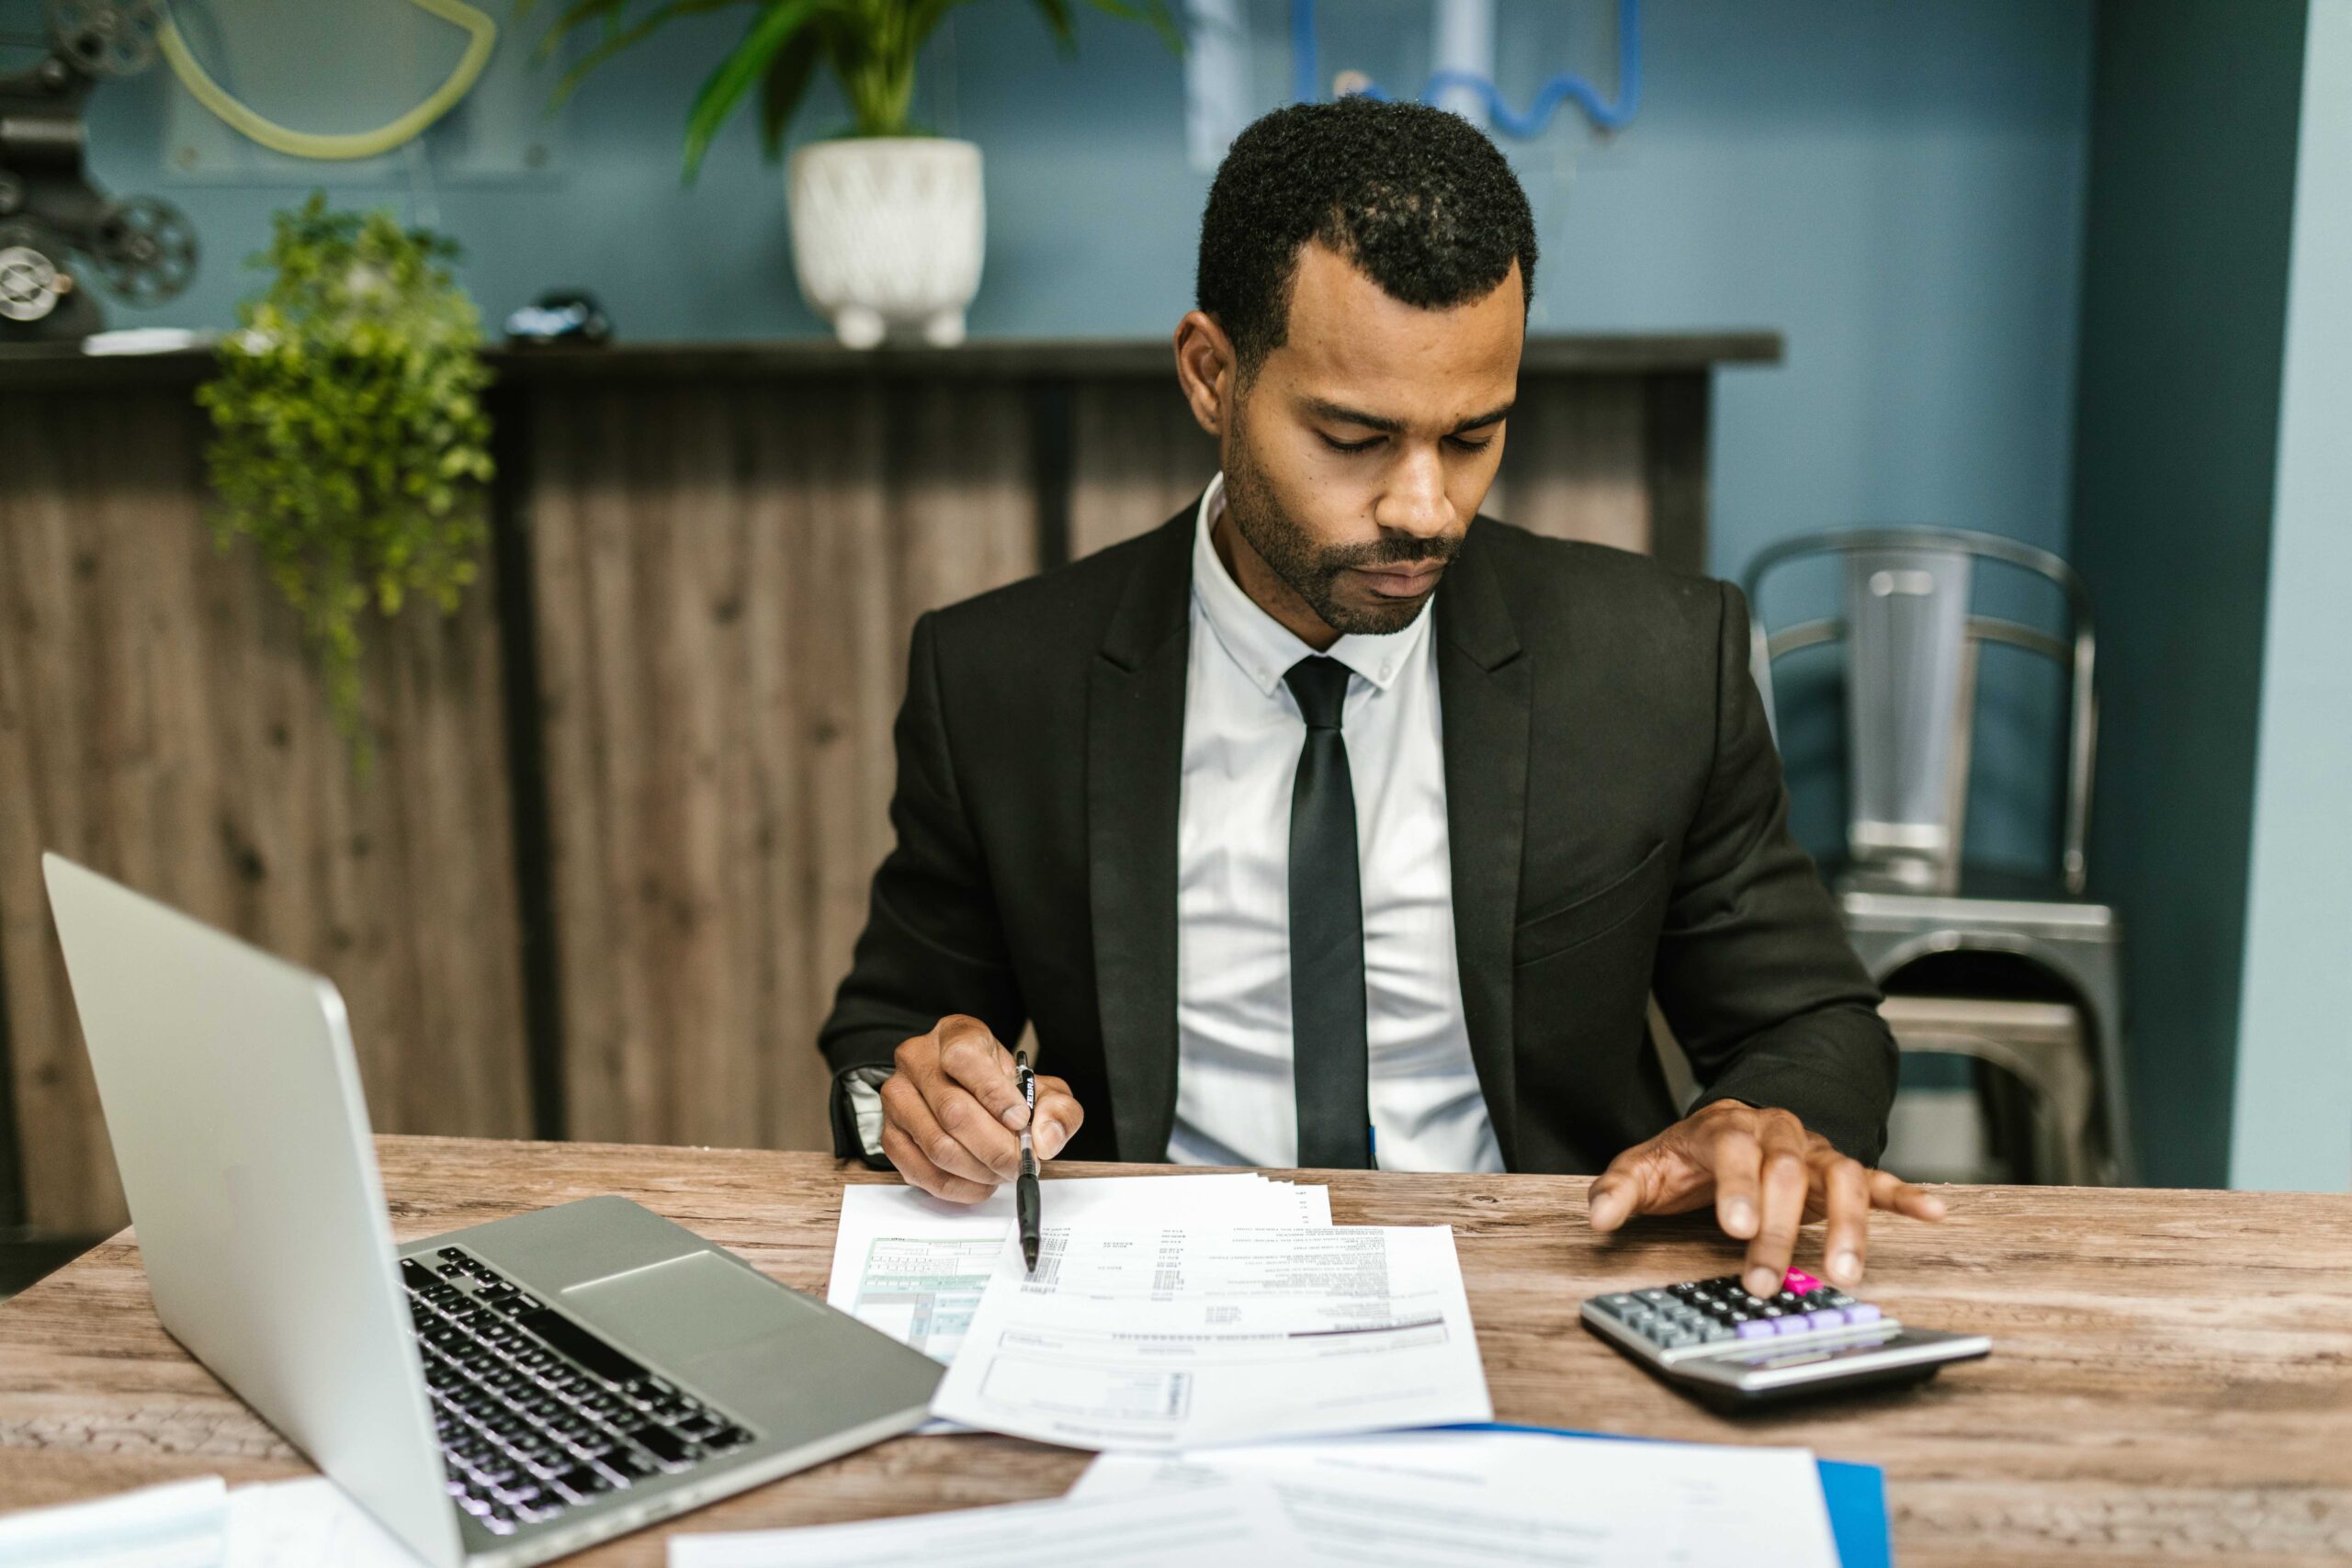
1786 1182
1638 1181
1846 1201
1738 1167
1893 1193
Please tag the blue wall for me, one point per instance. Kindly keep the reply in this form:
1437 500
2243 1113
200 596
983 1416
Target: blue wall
1896 185
2293 1112
2190 214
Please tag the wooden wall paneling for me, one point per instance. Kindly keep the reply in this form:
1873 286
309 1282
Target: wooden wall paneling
579 517
159 721
48 653
513 448
415 864
1140 456
834 747
963 518
640 618
12 1161
818 556
1574 464
726 585
1676 444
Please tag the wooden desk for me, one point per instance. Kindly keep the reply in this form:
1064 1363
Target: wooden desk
2171 1379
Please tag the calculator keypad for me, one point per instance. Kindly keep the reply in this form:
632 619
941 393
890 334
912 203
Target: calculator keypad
1705 1313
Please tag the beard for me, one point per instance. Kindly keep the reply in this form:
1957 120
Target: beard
1314 572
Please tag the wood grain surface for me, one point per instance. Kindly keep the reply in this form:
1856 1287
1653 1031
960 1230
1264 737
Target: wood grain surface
1137 455
161 722
64 367
725 581
2171 1379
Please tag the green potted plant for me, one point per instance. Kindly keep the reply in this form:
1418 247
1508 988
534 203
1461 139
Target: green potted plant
349 439
887 226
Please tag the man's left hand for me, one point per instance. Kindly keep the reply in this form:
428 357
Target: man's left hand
1766 1175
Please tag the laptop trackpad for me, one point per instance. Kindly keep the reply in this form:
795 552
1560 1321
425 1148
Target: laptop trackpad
687 1307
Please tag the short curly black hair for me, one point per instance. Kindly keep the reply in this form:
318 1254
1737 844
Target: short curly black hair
1415 196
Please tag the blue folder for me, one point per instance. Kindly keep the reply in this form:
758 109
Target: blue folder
1856 1494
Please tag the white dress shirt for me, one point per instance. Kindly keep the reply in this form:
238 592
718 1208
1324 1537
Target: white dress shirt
1242 738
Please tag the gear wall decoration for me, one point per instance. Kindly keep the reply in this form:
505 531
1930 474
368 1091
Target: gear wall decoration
60 231
106 38
30 285
146 250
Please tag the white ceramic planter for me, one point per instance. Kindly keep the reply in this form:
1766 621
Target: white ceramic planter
887 235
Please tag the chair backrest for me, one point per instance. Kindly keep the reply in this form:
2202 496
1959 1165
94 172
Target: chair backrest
1912 640
1910 690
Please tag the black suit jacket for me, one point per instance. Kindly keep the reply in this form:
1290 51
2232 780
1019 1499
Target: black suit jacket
1614 803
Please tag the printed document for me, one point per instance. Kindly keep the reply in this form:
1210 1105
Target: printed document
1221 1524
1477 1499
913 1267
181 1524
204 1524
1173 1338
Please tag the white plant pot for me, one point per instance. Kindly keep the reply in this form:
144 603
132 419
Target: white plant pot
887 235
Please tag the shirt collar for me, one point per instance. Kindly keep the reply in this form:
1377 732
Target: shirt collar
1263 646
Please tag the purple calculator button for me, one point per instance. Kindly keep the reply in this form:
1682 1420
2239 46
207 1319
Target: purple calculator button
1795 1323
1756 1328
1828 1317
1862 1313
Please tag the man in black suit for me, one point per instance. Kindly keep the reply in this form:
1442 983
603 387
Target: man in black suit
1331 824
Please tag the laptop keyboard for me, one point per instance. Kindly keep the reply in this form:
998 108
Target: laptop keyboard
535 1414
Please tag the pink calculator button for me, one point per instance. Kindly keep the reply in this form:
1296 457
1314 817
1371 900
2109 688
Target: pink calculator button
1799 1281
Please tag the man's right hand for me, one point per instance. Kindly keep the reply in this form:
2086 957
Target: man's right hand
952 1112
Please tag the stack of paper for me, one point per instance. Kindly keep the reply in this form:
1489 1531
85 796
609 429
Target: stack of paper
1223 1523
182 1525
914 1267
1459 1499
1475 1499
1173 1336
203 1524
1166 1312
305 1524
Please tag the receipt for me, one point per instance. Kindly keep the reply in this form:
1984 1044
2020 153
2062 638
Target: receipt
1226 1522
914 1266
1160 1339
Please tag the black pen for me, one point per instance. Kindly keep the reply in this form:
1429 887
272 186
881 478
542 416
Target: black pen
1025 1191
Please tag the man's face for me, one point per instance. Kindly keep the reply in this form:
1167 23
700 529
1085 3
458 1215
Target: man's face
1358 454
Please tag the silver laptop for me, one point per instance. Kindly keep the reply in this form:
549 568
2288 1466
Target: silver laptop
500 1394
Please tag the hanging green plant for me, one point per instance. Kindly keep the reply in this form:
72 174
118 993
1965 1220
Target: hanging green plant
350 443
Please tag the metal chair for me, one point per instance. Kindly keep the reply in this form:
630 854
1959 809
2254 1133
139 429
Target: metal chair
1912 640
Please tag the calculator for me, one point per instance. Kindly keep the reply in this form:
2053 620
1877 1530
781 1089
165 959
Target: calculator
1714 1341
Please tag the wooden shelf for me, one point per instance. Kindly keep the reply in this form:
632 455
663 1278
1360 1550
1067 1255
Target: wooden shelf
42 367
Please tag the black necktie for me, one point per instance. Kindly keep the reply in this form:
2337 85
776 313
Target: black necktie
1329 1049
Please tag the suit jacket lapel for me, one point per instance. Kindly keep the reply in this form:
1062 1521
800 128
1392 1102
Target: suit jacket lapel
1134 743
1483 695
